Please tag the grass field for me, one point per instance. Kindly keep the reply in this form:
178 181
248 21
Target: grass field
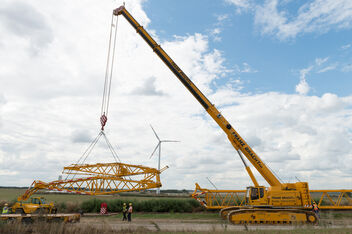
214 216
11 194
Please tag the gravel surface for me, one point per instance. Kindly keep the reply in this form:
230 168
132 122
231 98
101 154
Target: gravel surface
173 225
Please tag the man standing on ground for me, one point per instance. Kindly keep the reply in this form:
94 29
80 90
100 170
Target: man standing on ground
130 210
316 209
5 210
124 212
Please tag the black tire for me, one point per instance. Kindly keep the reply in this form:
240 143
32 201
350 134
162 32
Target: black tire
312 218
39 211
19 211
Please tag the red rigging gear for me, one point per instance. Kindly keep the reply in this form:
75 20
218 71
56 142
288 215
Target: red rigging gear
103 120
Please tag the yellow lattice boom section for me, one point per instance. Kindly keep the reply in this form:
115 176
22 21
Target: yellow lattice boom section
102 178
338 199
109 169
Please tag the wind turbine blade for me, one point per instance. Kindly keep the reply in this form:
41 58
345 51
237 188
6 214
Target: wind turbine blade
154 150
154 132
169 141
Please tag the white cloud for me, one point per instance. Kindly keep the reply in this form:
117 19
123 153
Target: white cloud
215 34
344 47
245 68
303 87
347 68
7 172
53 103
221 18
216 29
148 88
31 25
241 5
320 61
327 68
317 16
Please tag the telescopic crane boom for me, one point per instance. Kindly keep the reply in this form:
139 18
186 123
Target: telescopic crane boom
284 202
236 140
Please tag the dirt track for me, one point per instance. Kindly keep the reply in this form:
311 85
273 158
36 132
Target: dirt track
192 225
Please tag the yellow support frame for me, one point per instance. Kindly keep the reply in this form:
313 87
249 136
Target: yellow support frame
103 178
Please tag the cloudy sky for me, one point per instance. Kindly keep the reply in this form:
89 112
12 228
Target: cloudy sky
279 71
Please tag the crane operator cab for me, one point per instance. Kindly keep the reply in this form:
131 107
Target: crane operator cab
256 196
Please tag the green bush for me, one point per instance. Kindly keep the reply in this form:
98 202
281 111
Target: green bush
61 207
152 205
92 205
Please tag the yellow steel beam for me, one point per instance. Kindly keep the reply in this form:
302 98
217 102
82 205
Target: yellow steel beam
108 178
112 169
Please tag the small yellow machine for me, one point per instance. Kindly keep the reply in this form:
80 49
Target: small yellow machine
37 205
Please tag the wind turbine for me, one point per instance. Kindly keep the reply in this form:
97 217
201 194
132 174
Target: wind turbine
158 146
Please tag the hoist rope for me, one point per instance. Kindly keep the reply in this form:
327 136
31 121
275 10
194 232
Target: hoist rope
112 67
108 73
106 99
86 153
107 68
112 150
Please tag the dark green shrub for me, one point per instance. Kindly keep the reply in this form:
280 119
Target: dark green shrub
92 205
61 207
152 205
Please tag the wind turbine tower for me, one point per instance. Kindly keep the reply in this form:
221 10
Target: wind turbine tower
158 146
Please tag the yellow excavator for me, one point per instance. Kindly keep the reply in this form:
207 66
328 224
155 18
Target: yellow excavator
284 203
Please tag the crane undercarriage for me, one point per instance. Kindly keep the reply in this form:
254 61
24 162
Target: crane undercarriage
235 209
268 215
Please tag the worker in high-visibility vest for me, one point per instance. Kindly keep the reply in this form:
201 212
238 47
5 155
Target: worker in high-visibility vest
129 214
316 209
5 209
124 212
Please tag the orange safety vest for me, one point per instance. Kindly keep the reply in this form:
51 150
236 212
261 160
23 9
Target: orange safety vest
315 207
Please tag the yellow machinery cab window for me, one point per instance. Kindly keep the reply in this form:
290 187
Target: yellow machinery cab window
254 193
261 192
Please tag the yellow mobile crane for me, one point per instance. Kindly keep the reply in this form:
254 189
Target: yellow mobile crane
279 203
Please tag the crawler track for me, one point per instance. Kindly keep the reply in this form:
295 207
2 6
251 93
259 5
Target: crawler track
271 216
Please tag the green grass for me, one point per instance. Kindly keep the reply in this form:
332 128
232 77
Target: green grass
12 194
336 214
181 216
